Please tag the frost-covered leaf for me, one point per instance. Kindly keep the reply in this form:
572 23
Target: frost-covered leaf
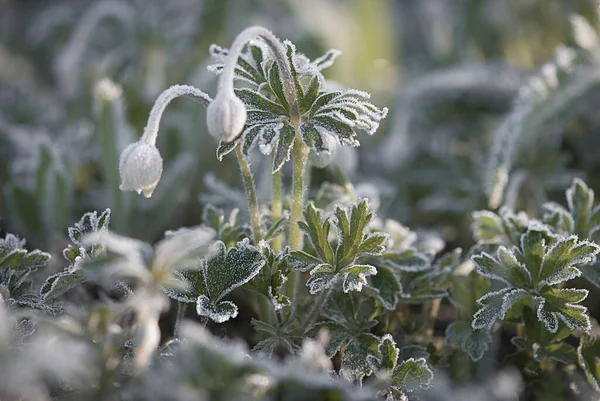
355 357
563 304
387 286
560 352
355 242
220 273
494 306
473 342
580 217
504 267
412 374
587 356
563 256
59 283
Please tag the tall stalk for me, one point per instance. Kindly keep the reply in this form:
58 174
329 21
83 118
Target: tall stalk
277 208
250 193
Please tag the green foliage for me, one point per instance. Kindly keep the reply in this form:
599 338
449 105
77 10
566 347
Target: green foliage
220 273
341 263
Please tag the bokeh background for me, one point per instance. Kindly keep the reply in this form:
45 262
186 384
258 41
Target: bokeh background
78 79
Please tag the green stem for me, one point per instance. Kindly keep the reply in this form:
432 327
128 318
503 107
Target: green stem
433 314
250 192
300 157
277 208
180 315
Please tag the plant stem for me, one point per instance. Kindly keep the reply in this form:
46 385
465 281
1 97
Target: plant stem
300 157
250 192
180 315
277 208
433 314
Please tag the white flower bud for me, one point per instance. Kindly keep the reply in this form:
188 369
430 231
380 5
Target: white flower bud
323 159
141 167
226 116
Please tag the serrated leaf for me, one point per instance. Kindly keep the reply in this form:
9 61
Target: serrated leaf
256 101
321 277
355 357
494 307
561 352
555 304
311 94
408 260
388 354
566 253
412 374
276 84
317 231
505 267
355 276
218 312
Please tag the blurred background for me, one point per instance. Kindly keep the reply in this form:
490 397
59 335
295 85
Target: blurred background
491 102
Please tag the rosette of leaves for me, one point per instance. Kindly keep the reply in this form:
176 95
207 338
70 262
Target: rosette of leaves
222 271
17 266
59 283
401 378
323 112
329 264
580 218
534 271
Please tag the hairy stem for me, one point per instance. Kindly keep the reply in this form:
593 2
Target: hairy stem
175 91
180 315
295 237
279 53
250 193
277 208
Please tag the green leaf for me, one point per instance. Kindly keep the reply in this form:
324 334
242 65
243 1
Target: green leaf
355 277
388 354
565 254
59 283
276 84
412 374
256 101
321 277
387 286
284 147
494 307
505 267
311 95
587 356
317 231
408 260
562 303
356 356
560 352
220 273
226 270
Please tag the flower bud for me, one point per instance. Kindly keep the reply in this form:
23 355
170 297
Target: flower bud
226 116
140 167
324 158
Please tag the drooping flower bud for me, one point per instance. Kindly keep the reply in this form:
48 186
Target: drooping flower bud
226 116
140 167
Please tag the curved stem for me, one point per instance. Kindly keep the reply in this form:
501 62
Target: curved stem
277 208
175 91
316 309
226 79
250 193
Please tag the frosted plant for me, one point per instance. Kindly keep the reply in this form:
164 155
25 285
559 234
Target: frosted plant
140 164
